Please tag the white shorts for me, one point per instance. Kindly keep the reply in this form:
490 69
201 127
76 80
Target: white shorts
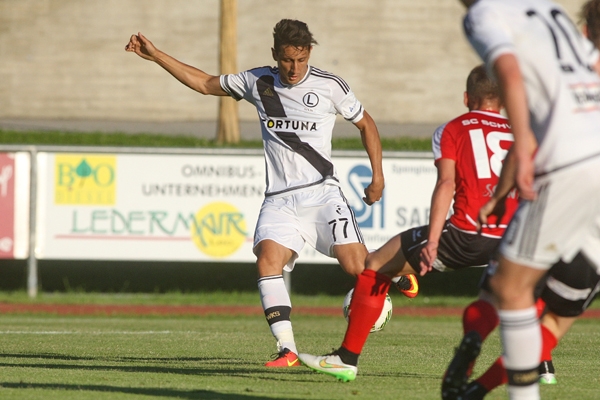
321 217
559 223
591 245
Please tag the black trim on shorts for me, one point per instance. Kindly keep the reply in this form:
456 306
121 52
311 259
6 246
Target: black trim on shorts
579 274
359 235
457 249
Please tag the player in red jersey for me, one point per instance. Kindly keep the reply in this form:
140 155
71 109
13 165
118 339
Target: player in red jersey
468 151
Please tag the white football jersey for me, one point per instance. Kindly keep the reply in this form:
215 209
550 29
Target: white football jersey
563 91
297 123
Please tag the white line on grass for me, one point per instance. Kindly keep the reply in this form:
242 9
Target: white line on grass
85 332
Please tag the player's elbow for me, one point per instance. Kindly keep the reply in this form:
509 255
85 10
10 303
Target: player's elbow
446 184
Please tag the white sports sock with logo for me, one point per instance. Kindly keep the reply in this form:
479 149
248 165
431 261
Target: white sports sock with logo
522 341
277 305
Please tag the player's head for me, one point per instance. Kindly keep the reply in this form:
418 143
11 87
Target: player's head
590 17
292 43
482 92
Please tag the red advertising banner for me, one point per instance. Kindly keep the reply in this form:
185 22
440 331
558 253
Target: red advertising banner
7 205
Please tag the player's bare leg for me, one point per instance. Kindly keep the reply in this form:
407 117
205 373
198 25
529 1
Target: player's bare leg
390 261
513 285
351 257
271 258
367 302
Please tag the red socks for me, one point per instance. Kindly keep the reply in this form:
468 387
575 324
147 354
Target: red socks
494 376
549 342
481 317
365 307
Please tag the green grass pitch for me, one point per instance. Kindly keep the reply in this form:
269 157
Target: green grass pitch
221 357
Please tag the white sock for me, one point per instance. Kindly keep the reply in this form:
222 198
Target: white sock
522 342
531 392
277 306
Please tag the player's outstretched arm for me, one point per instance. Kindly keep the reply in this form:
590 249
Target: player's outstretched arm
441 199
372 144
512 89
193 78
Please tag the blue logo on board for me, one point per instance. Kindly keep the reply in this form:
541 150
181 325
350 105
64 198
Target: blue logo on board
372 216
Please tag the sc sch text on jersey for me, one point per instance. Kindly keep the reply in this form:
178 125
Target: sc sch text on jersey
477 121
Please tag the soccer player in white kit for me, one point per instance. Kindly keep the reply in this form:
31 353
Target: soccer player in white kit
548 75
297 106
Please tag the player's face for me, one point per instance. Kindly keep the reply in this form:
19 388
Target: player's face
292 63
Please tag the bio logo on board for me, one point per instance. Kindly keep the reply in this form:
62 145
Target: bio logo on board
220 229
85 179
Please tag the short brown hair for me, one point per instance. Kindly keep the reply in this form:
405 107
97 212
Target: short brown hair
290 32
480 87
590 16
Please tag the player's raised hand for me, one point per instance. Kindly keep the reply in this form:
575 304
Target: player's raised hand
493 206
373 193
428 256
141 46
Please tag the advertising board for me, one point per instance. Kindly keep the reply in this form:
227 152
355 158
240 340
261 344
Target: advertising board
14 205
196 207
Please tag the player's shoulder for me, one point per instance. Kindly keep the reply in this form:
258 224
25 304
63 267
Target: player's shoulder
328 78
491 5
456 123
265 70
504 8
486 12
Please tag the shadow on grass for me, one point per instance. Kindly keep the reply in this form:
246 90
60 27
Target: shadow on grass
230 368
206 366
209 366
50 356
160 392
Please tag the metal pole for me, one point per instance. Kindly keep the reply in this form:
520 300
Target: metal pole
32 271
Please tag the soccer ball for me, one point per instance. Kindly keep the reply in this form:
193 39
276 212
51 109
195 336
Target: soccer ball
384 318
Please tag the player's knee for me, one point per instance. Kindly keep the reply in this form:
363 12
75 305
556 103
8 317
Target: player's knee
353 269
267 267
501 290
508 293
372 261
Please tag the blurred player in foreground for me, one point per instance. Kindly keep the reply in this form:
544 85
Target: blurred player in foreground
548 77
297 106
468 151
564 294
555 291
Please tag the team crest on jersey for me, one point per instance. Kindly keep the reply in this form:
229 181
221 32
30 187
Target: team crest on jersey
289 124
310 99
